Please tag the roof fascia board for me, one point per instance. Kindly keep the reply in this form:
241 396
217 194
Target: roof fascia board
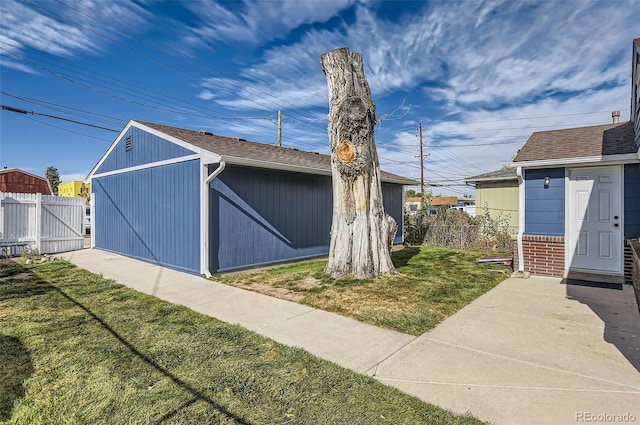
494 179
108 152
148 165
208 156
585 160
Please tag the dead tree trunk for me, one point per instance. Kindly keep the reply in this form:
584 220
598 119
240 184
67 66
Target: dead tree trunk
359 230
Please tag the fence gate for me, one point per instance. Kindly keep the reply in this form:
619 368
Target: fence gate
48 224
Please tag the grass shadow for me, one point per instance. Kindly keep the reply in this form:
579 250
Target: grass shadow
402 257
15 360
16 281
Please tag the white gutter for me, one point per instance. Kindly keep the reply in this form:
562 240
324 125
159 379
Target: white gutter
204 221
521 200
600 160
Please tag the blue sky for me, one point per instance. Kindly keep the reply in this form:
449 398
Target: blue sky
480 75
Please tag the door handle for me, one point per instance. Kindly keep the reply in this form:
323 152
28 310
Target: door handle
615 217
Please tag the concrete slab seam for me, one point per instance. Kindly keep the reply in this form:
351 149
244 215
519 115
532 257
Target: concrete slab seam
287 319
511 387
375 366
531 363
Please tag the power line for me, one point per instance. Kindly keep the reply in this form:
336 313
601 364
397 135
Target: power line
22 111
66 129
541 117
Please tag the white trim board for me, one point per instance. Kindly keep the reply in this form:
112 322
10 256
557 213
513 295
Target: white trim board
581 161
148 165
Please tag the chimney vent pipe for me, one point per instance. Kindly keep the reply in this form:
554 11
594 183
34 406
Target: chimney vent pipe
616 117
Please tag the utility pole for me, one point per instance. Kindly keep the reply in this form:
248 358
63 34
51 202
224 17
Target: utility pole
422 157
280 128
421 162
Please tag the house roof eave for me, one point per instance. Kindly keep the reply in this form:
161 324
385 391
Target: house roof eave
584 161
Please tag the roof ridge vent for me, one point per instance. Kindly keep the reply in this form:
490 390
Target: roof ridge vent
205 133
240 139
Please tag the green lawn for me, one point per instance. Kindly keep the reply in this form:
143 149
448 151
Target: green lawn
79 349
433 284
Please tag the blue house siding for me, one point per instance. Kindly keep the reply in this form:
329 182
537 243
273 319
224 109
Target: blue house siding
632 200
544 208
393 205
145 148
151 214
260 216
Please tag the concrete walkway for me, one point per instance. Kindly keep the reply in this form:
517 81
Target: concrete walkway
530 351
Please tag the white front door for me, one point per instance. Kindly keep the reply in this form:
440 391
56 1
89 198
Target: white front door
594 218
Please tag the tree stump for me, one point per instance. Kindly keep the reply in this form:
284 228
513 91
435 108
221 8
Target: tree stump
359 230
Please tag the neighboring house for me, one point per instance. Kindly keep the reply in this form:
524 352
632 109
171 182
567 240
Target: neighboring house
412 204
579 201
203 203
18 181
497 191
75 189
579 197
444 201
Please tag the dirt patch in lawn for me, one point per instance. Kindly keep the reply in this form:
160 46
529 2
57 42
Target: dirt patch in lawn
272 291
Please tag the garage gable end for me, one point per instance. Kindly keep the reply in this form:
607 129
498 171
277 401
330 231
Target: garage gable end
152 214
136 147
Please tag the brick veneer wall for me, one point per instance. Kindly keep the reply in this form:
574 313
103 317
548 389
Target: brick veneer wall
628 262
543 255
634 246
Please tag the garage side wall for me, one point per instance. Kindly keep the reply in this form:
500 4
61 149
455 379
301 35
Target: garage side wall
151 214
260 216
393 205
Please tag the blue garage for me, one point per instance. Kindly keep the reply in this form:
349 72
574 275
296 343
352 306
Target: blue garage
202 203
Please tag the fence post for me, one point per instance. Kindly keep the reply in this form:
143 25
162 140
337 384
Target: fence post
38 235
92 203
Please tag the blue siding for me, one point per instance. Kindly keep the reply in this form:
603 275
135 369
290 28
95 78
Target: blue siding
151 214
260 216
392 200
544 208
145 148
632 200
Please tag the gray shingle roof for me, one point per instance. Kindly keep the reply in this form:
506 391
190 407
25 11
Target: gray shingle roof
499 175
598 140
237 151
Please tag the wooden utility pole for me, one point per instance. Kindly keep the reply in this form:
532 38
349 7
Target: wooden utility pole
422 157
280 128
359 229
421 162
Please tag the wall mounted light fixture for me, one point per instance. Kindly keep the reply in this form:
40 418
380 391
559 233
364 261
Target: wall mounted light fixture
547 182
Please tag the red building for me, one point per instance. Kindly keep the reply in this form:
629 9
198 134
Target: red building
18 181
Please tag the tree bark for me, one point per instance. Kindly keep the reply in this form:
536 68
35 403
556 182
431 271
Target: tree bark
359 230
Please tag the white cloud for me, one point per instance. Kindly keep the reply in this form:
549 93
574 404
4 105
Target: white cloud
62 30
257 22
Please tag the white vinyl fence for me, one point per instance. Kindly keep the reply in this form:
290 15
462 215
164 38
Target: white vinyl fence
45 224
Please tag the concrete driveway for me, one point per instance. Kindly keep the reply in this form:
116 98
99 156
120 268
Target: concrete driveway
531 351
